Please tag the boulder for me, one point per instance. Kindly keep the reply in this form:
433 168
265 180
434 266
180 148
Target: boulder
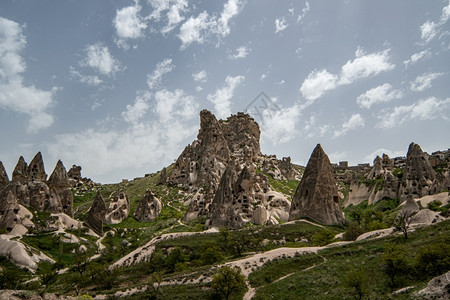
317 196
118 209
149 208
426 217
96 214
438 288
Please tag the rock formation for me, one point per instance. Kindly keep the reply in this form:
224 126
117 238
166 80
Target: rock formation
418 176
149 208
36 170
4 180
162 177
316 196
118 209
59 184
409 208
96 214
9 208
20 172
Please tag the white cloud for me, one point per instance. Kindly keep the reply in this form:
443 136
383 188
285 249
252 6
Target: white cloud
241 52
312 130
163 67
423 81
379 94
200 76
281 82
14 95
128 24
100 59
427 109
221 98
106 154
317 83
417 57
194 30
280 24
136 111
279 126
304 12
89 79
364 65
381 151
355 121
200 28
175 105
430 29
174 15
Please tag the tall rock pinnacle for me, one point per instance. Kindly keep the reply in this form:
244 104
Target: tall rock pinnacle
316 196
96 214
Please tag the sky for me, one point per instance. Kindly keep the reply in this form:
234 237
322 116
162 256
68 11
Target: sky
117 86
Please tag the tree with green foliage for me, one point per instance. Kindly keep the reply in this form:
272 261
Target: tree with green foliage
356 279
157 261
402 222
211 254
353 231
433 259
80 261
322 237
394 261
175 259
228 281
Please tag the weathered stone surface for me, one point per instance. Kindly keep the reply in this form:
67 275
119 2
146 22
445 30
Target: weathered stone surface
96 214
36 170
162 177
438 288
4 180
20 172
409 208
418 176
59 181
377 170
9 209
118 209
316 196
149 208
8 220
9 203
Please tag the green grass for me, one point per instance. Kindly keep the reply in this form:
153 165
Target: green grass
327 280
286 187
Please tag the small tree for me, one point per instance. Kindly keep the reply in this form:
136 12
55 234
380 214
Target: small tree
322 237
402 222
228 281
356 279
394 261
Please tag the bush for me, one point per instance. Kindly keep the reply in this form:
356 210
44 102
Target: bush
322 237
228 281
394 261
433 259
356 279
353 231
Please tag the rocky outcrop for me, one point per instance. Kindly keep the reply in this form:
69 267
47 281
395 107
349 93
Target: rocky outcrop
118 209
4 180
149 208
409 208
162 177
377 170
60 186
36 170
316 196
9 210
20 172
96 214
418 176
438 288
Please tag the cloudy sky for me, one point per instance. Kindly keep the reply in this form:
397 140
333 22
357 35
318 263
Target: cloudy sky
117 86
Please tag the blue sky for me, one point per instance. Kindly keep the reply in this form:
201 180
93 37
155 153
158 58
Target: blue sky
116 86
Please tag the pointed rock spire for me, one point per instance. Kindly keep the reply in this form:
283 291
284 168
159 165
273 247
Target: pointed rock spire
149 208
316 196
162 177
36 170
59 184
418 174
59 178
20 172
96 214
4 180
377 169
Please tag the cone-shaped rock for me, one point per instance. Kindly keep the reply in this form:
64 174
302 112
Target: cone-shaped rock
59 180
410 207
4 180
162 177
96 214
20 172
149 208
36 170
418 174
316 196
118 209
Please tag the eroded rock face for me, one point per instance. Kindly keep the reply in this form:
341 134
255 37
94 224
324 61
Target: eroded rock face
377 170
4 180
20 172
9 209
96 214
118 209
162 177
149 208
316 196
59 183
36 170
418 176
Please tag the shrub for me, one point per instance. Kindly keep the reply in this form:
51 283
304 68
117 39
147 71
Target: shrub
322 237
433 259
353 231
394 261
356 279
228 281
434 205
